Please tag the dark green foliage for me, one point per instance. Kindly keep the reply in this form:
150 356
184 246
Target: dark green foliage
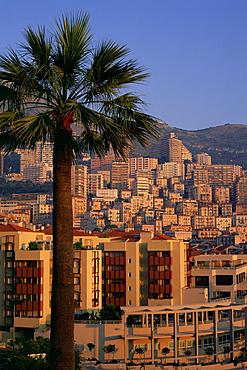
33 246
110 312
216 141
20 359
110 348
23 187
78 246
133 319
91 346
187 352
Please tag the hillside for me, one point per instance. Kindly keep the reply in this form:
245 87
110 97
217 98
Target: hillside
226 144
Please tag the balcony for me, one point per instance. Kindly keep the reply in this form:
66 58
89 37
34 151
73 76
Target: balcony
216 267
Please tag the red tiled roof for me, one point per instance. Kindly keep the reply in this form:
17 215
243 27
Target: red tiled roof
134 235
12 227
76 232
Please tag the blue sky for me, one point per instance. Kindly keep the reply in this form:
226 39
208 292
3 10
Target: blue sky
195 50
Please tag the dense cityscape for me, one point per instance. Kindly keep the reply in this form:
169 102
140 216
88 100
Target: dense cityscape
123 185
166 242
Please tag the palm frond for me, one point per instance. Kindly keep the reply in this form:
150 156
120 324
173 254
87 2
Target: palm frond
7 119
110 72
31 129
9 143
72 36
126 110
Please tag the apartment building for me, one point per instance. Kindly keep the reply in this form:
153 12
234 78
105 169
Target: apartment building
141 163
95 182
203 158
215 175
119 175
202 193
221 194
188 207
223 275
170 169
141 186
223 223
139 269
202 222
79 180
176 150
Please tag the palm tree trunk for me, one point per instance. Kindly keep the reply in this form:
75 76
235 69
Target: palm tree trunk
62 307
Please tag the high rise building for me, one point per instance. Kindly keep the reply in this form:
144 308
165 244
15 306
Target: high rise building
141 163
95 182
221 194
79 180
203 158
176 150
37 164
215 175
169 169
119 175
240 190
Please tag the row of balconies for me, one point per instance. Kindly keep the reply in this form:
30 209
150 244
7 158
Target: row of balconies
114 288
115 301
30 306
188 329
29 272
155 288
160 261
110 261
160 274
115 274
29 289
211 266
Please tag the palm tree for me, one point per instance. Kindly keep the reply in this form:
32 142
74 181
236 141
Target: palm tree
51 82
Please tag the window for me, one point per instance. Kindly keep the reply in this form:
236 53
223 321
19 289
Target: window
202 281
130 302
129 274
129 288
190 344
224 339
224 279
208 342
156 346
129 260
170 345
181 344
142 346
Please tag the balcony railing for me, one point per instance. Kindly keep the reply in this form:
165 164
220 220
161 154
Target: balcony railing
211 267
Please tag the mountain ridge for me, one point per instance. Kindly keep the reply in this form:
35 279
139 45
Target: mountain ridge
226 144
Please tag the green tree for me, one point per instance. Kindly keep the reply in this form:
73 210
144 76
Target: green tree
91 346
140 351
105 349
209 351
33 245
111 349
226 350
165 351
187 354
110 312
48 85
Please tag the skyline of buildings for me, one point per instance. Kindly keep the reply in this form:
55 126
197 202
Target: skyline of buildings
146 234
